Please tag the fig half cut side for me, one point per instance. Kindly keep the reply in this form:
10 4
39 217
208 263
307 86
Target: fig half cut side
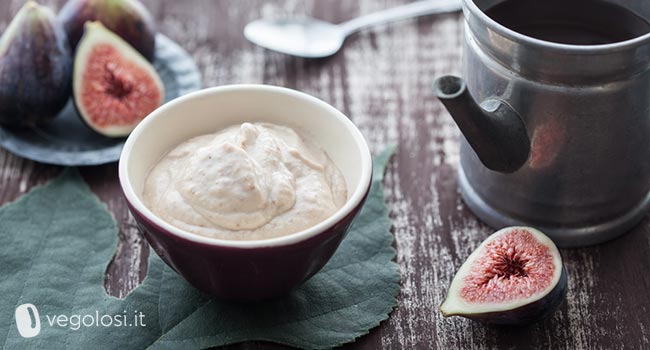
515 276
114 86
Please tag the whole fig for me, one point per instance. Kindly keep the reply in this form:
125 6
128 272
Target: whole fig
127 18
35 67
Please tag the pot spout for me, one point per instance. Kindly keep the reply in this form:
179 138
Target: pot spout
492 128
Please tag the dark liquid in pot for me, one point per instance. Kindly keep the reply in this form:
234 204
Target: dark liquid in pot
577 22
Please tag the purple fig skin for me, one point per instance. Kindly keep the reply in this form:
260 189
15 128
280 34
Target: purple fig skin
127 18
35 68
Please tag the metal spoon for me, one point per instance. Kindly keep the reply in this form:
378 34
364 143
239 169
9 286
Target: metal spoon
312 38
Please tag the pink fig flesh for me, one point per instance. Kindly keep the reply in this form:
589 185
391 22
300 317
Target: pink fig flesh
118 91
515 266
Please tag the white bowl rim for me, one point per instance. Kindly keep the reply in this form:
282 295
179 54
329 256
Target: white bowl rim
353 201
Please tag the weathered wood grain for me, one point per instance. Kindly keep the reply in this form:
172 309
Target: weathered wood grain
382 80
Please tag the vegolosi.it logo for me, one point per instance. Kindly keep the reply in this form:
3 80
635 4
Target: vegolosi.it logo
28 320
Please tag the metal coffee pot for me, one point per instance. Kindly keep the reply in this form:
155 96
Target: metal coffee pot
556 136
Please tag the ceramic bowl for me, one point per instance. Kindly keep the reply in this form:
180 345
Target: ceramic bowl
245 270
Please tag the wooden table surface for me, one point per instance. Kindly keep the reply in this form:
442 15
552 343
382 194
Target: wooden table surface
382 81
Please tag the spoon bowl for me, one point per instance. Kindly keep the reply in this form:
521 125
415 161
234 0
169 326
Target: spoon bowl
303 37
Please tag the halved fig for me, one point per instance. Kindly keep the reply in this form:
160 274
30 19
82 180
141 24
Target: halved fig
114 86
515 276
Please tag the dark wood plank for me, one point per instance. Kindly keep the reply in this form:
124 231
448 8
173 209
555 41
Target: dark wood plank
382 81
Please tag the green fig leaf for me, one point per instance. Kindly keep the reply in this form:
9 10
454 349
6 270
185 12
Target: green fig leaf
55 243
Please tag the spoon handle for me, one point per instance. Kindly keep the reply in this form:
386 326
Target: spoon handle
415 9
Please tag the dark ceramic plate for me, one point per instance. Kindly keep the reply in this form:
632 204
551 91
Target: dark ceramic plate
68 141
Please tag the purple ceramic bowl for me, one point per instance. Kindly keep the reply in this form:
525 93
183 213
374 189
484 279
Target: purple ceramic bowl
258 269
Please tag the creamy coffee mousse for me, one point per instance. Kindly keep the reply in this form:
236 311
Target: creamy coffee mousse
246 182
